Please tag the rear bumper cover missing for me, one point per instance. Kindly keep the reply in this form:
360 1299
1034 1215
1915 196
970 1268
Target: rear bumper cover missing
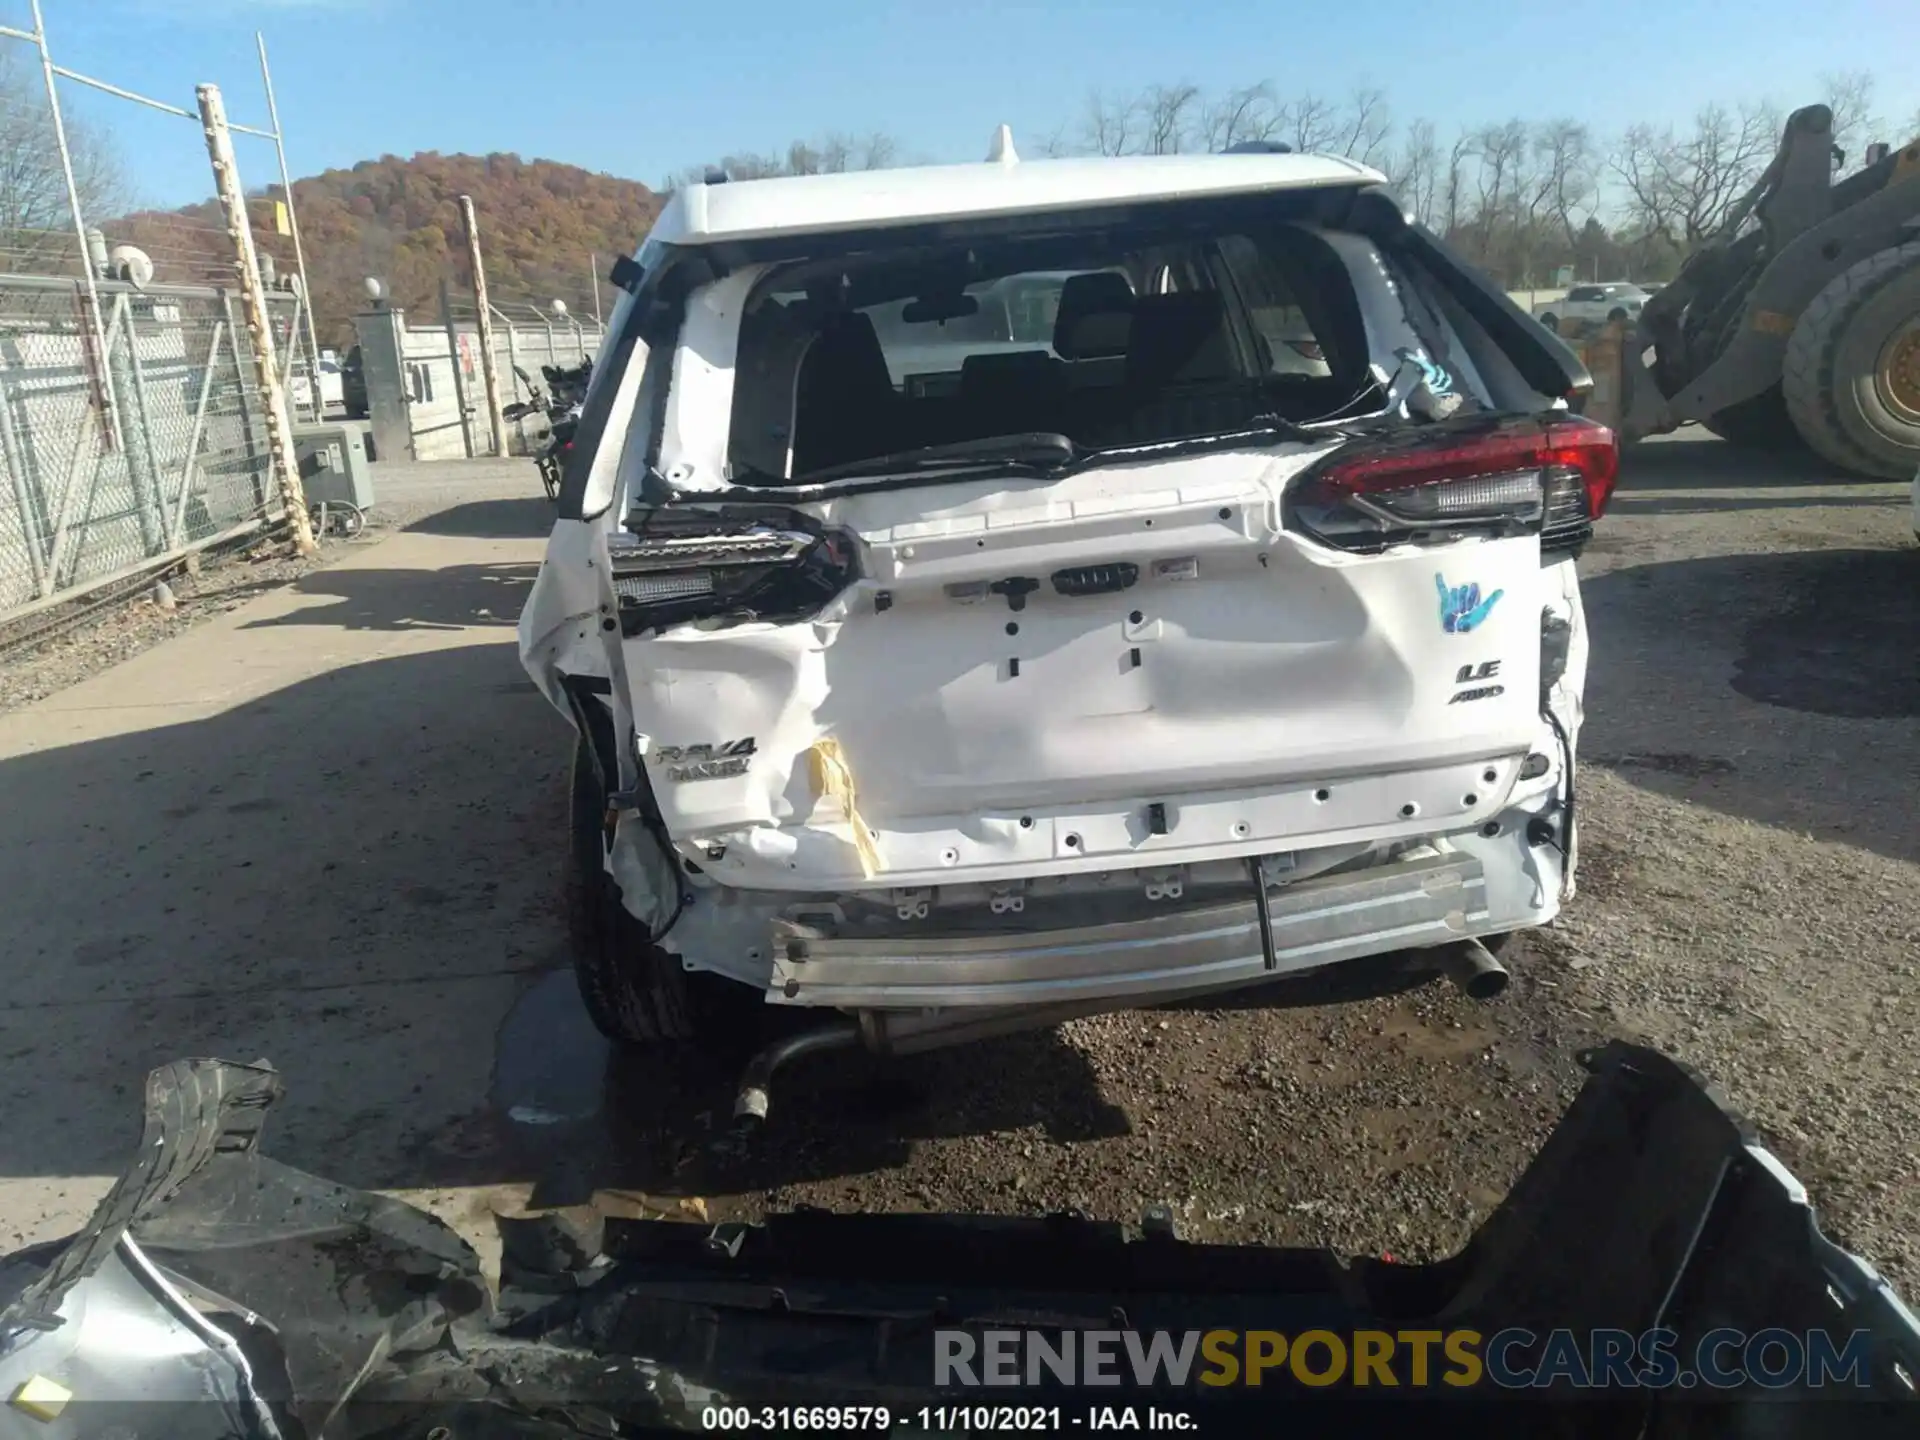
1428 900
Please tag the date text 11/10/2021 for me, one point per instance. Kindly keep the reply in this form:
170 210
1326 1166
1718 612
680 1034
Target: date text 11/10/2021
938 1419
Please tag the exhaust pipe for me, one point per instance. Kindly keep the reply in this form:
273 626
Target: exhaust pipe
894 1033
751 1099
1476 970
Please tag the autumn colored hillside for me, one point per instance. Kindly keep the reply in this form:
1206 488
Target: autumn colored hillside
399 219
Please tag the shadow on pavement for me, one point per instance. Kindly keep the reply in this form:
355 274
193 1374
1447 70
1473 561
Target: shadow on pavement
356 878
1697 459
514 518
1781 688
1631 504
454 597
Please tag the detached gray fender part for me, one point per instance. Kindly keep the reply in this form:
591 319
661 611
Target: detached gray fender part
200 1209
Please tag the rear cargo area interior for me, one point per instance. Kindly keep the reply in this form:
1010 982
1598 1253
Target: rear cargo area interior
1156 343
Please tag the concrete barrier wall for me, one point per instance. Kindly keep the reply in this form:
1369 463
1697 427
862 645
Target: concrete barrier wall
425 392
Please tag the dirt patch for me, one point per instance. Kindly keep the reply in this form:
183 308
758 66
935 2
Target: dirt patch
1844 640
1692 766
1782 967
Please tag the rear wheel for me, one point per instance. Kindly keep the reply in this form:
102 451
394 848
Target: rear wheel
1552 322
1759 423
1852 372
635 991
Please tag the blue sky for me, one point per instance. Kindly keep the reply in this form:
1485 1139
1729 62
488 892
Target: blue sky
644 89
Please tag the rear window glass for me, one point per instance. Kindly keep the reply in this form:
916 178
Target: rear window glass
1111 339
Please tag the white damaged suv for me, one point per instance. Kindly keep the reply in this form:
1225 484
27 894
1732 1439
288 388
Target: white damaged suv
949 675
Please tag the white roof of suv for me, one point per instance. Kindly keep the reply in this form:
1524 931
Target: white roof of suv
811 204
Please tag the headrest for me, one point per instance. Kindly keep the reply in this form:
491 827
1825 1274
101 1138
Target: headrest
1179 337
1007 370
1094 316
846 354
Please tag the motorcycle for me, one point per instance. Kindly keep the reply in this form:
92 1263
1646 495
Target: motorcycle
569 385
560 402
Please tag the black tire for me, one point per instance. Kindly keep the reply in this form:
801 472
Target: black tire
1552 322
1760 423
1616 314
635 992
1844 399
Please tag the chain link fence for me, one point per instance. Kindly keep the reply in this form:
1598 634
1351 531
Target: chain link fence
86 502
138 418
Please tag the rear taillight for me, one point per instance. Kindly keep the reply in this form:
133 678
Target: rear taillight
1502 476
691 568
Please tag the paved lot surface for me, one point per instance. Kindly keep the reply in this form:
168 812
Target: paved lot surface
322 827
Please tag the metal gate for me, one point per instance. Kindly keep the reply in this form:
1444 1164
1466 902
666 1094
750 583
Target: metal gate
177 461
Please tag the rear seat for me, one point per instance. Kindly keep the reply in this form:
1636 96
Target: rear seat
1091 328
1181 370
1007 393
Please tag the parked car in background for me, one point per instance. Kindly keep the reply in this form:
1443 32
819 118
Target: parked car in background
332 391
1593 305
1049 587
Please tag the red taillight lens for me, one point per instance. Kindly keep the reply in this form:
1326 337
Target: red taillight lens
1593 450
1508 474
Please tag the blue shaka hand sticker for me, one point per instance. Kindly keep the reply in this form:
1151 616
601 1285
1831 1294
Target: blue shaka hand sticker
1461 608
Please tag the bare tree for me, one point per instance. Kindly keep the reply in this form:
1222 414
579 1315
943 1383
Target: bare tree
1502 152
1169 115
1683 185
1111 124
1849 94
1248 113
1056 145
36 220
1459 156
1569 174
877 151
1366 126
1717 163
832 155
1309 122
1638 162
1415 171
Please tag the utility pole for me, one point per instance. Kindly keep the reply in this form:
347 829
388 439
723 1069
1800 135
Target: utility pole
253 300
593 274
496 421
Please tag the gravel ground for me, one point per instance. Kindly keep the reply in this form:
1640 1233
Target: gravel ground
1749 900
